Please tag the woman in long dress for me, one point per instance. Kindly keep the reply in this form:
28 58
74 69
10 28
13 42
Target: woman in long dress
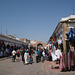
54 58
26 56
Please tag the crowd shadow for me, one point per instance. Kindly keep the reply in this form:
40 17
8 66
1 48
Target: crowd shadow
57 67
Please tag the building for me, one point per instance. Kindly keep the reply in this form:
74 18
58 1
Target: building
24 40
38 44
61 29
11 36
11 40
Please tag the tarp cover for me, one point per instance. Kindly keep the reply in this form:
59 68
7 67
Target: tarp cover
71 34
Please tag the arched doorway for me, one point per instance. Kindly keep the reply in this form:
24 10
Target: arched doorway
39 46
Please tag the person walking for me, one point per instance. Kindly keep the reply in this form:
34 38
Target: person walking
39 54
13 55
58 54
54 58
23 59
26 56
18 54
43 55
7 52
30 58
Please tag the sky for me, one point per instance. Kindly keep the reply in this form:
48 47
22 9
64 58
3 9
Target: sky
33 19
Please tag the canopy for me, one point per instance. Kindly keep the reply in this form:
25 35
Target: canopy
71 34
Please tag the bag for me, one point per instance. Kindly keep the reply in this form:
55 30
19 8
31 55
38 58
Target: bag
17 51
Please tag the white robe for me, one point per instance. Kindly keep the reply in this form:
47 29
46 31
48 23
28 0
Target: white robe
26 56
54 56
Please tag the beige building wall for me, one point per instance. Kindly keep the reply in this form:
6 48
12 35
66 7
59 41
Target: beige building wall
39 42
64 31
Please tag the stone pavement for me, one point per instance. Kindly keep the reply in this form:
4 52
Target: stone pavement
56 70
5 58
48 65
7 67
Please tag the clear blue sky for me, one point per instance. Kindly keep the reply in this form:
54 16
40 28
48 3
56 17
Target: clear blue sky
33 19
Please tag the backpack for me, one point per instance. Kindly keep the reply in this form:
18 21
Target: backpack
17 51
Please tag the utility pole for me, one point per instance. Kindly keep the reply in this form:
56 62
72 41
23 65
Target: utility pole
73 11
6 31
1 30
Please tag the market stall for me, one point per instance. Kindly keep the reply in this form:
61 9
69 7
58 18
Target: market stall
70 43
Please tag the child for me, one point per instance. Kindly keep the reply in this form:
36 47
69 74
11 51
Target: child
30 59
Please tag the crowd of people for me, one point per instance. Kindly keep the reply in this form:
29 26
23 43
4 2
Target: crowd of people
26 55
42 54
49 55
5 50
54 54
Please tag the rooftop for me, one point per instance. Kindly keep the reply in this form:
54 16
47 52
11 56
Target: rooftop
67 18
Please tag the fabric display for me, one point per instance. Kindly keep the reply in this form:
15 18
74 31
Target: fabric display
67 60
62 64
74 57
71 59
71 34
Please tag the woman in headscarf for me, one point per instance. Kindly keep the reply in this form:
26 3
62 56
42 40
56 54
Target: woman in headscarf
26 56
